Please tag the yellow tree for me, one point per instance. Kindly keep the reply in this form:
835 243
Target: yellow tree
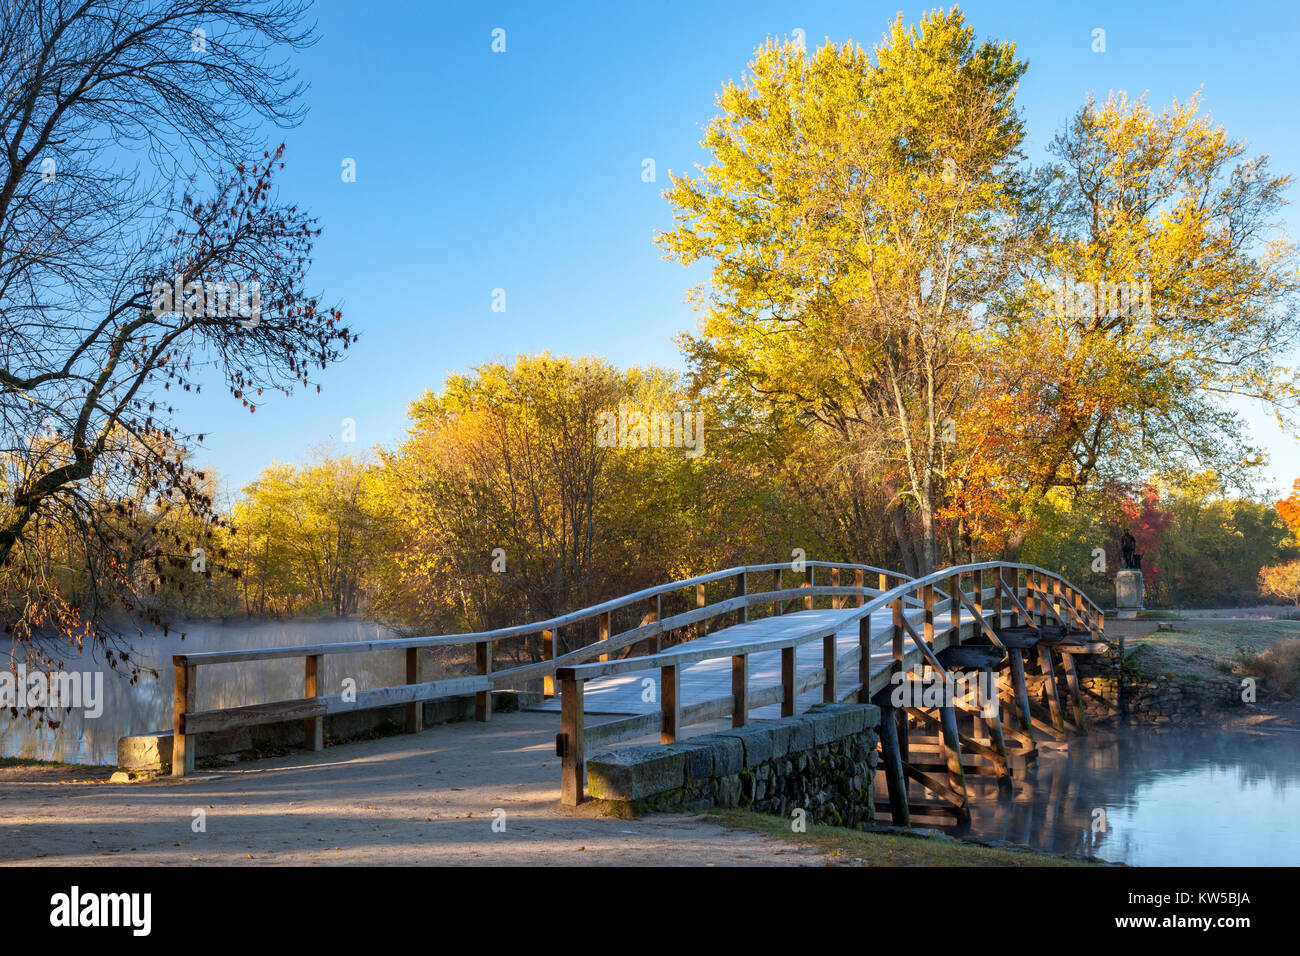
857 215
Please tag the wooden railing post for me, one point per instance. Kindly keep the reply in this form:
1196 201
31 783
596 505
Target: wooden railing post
836 600
741 585
702 628
830 658
977 582
864 659
788 701
859 581
571 743
415 709
313 727
884 581
954 606
603 631
1030 603
483 667
776 586
548 654
997 601
808 579
740 690
670 695
182 703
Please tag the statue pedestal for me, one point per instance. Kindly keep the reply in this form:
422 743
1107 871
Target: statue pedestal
1128 593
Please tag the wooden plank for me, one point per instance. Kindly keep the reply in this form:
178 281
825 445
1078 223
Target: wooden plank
314 727
707 710
628 728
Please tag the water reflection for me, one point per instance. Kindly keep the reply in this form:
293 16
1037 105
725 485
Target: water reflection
1190 798
147 705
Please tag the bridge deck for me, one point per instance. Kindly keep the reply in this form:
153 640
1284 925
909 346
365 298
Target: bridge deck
710 679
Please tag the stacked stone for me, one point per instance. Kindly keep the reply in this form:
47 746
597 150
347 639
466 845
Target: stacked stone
822 761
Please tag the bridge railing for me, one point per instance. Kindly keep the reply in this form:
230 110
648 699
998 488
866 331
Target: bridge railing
652 630
995 590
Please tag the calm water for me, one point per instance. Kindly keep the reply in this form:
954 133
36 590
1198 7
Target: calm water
147 705
1176 798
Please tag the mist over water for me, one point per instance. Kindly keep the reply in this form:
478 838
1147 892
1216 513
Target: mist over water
1170 798
147 705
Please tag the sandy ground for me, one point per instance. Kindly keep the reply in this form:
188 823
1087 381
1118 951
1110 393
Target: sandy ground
423 799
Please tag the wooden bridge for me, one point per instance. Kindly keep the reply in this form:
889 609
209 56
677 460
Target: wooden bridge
748 645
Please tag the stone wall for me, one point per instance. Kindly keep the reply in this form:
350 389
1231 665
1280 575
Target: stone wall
822 761
1152 698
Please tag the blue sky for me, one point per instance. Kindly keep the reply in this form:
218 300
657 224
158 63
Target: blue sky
522 171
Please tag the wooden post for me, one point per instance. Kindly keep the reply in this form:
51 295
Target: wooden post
977 582
997 602
891 756
1053 692
483 667
897 666
573 762
954 609
864 659
859 581
776 586
927 602
830 661
670 696
836 600
314 727
548 654
415 709
808 578
1076 692
741 586
788 699
1029 598
658 639
602 625
993 725
884 582
739 690
702 628
182 703
1019 685
952 749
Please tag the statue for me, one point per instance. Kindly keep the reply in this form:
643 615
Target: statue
1127 544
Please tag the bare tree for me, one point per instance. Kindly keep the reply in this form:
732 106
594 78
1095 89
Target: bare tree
142 246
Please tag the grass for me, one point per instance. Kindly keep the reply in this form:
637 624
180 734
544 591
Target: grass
845 847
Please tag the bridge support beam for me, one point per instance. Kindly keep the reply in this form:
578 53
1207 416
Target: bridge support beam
1053 692
570 744
892 764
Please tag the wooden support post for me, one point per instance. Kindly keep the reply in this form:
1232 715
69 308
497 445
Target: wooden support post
859 581
927 602
1030 604
884 581
977 582
415 709
602 624
182 703
1076 692
997 602
952 749
836 601
993 725
954 610
314 727
892 758
864 659
776 586
1021 689
830 657
483 667
670 696
701 599
808 579
658 639
741 585
548 654
1053 692
788 701
570 744
739 690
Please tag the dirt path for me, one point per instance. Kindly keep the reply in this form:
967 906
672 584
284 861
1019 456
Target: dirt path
424 799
